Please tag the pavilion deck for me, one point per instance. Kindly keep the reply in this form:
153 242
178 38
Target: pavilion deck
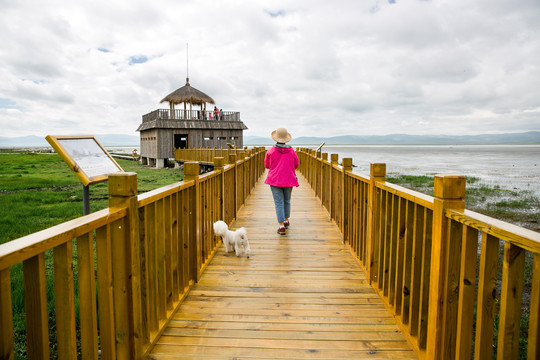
302 295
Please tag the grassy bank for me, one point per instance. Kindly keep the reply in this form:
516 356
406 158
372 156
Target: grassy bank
38 191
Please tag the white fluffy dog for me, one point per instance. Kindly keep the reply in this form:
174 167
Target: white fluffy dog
234 240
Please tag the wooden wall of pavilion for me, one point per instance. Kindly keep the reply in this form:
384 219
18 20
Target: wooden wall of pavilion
158 136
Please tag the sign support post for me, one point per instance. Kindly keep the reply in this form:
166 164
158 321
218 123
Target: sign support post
86 199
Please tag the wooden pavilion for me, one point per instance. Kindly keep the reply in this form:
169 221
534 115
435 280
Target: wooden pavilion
164 130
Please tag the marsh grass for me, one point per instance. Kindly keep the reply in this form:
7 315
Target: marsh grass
518 207
38 191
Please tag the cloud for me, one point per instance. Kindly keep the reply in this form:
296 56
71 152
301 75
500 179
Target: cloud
373 67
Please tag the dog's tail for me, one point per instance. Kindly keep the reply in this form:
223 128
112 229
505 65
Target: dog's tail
243 235
243 232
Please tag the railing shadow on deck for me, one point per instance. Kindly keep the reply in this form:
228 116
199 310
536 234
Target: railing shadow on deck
135 262
434 263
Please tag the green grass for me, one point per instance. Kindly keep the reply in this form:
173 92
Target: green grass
38 191
419 183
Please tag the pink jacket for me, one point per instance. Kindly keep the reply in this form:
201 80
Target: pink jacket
281 163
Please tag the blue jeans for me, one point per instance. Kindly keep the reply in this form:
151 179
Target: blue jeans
282 202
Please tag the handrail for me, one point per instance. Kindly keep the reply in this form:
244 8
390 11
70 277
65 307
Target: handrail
420 254
517 235
201 115
407 194
14 252
206 155
138 258
164 191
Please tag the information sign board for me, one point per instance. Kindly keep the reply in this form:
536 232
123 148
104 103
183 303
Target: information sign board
85 156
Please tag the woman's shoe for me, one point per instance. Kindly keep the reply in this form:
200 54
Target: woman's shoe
286 224
282 231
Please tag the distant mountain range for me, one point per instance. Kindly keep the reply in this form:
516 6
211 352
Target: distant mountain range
525 138
37 141
531 137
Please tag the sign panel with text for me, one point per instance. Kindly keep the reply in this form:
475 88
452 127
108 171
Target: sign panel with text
85 156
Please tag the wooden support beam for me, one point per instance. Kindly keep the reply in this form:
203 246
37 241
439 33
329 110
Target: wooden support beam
35 306
191 173
125 245
449 193
377 174
6 317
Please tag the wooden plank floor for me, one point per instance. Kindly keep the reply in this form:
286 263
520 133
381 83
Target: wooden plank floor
298 296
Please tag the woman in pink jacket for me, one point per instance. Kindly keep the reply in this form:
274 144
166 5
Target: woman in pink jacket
281 162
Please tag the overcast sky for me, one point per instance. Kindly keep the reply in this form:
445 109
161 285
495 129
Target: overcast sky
319 68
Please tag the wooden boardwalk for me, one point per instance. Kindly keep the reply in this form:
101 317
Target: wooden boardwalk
302 295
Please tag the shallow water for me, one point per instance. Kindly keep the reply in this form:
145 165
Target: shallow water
509 166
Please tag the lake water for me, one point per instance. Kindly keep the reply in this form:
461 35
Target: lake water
510 166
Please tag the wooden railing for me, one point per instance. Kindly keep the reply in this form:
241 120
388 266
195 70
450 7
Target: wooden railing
207 155
422 254
180 114
140 257
247 172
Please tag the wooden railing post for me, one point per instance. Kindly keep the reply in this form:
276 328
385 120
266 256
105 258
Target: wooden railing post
377 174
232 160
6 316
324 181
191 172
347 166
218 165
312 180
35 307
318 176
449 191
305 163
331 199
126 267
232 157
533 348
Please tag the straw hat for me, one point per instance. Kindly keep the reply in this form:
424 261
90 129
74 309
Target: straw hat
281 135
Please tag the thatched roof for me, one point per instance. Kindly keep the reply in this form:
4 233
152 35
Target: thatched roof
188 94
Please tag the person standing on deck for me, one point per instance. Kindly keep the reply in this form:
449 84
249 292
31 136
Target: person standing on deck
281 161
